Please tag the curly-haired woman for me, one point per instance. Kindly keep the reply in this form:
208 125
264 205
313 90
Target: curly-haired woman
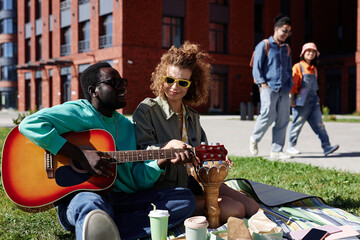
181 79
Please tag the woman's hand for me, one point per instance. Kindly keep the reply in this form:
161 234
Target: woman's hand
229 162
181 158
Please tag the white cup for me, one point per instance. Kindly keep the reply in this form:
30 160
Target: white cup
196 228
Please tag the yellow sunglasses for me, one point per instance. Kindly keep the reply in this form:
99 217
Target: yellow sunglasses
181 82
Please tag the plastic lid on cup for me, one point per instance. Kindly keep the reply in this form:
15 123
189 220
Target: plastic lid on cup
159 213
196 222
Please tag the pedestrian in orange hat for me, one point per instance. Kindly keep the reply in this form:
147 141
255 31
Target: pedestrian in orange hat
304 101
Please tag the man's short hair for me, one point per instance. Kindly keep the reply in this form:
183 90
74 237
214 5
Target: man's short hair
282 20
91 76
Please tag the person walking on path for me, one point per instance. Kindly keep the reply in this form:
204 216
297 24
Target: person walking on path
304 101
272 72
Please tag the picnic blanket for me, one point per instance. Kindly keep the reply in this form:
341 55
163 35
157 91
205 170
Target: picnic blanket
290 210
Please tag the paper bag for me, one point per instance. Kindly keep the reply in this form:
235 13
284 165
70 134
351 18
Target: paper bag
261 227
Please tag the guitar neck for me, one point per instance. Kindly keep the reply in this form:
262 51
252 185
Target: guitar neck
143 155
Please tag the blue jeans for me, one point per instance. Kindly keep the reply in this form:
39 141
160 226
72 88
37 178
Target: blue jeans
129 211
275 110
310 112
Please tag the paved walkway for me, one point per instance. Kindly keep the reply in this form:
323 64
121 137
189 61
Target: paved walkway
234 134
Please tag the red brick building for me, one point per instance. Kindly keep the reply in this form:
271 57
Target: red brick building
8 54
57 40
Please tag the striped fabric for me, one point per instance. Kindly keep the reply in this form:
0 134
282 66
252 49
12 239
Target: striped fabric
303 214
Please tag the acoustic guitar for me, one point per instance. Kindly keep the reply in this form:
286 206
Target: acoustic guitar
35 179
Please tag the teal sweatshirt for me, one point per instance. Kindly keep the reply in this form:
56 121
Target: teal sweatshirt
46 126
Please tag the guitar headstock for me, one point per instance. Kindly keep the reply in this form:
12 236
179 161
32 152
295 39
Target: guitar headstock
211 152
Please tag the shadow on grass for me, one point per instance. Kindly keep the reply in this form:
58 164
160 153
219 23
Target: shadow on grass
333 155
67 236
345 204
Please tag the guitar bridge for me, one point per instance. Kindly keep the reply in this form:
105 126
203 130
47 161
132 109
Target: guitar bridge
49 164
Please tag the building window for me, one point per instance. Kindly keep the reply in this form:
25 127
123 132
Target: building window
258 22
83 1
8 25
65 4
38 93
217 38
27 94
217 93
172 31
8 99
38 48
8 50
66 87
50 87
27 50
106 31
27 11
65 41
50 44
219 2
8 73
84 36
38 9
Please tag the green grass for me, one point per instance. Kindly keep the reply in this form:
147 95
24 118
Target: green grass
338 189
346 120
333 119
16 224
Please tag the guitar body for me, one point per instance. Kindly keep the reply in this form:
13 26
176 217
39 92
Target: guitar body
28 183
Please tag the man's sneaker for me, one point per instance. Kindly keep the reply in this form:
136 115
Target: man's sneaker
253 146
292 151
330 149
279 156
98 225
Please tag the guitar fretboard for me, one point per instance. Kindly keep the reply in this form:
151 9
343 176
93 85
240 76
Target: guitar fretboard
143 155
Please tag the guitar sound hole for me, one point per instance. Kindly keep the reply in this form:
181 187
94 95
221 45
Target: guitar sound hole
78 166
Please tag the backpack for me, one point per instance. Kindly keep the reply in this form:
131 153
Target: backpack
267 45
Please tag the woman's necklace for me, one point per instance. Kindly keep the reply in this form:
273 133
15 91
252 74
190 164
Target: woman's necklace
180 116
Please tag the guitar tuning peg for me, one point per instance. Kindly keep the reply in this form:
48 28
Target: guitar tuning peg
202 143
211 144
217 143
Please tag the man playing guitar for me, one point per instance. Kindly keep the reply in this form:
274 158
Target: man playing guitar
124 209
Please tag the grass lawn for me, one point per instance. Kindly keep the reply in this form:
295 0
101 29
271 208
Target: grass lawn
338 189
